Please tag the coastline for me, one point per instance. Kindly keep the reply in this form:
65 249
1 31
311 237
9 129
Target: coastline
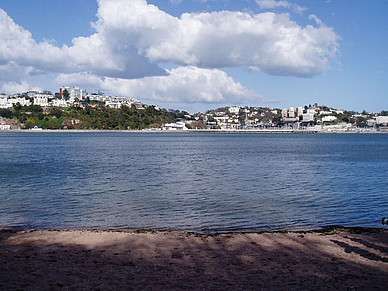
337 258
186 131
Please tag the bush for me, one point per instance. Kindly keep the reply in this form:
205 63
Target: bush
6 113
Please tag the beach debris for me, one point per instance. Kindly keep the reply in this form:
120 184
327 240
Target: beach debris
384 221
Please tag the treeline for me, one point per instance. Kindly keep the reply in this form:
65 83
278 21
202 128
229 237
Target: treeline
93 116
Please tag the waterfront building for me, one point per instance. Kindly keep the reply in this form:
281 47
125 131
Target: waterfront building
5 127
299 111
371 122
284 113
307 117
291 112
382 120
175 126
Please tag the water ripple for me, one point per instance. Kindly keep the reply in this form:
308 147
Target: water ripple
198 182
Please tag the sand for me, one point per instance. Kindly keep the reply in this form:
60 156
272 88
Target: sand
334 259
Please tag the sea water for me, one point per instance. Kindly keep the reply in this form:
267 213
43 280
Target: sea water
201 182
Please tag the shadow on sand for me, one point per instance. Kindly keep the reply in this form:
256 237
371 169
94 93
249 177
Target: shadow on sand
66 260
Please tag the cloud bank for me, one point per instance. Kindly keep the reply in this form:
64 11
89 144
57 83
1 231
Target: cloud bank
268 41
133 39
183 84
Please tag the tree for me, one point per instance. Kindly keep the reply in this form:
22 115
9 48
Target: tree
6 113
384 113
57 112
17 106
65 94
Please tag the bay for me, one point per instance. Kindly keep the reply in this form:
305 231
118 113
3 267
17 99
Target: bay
201 182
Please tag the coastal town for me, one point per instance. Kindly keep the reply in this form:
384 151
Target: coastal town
69 108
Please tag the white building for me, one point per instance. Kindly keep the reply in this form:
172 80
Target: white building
175 126
5 127
234 110
32 94
41 100
382 120
328 118
74 93
307 117
117 102
371 122
291 112
21 100
299 111
221 119
59 103
98 97
4 101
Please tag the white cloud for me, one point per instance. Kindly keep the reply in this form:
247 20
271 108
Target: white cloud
316 19
268 41
18 47
94 53
133 37
12 87
184 84
270 4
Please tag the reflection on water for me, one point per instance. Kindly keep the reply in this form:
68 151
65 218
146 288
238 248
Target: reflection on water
195 182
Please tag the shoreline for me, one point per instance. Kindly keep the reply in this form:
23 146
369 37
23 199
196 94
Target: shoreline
334 258
186 131
324 229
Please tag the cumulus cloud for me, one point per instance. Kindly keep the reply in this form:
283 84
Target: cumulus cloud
94 53
269 4
133 39
184 84
268 41
18 47
133 36
23 86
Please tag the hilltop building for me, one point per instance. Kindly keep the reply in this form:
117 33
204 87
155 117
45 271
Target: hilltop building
73 93
234 110
4 101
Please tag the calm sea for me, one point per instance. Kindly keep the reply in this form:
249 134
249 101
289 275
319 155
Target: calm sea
202 182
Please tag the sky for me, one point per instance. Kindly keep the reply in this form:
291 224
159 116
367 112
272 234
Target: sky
196 55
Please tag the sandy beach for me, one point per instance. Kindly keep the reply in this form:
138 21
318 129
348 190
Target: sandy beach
331 259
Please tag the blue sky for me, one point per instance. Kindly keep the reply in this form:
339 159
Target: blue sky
196 55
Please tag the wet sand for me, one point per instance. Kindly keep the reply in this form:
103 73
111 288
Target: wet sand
332 259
